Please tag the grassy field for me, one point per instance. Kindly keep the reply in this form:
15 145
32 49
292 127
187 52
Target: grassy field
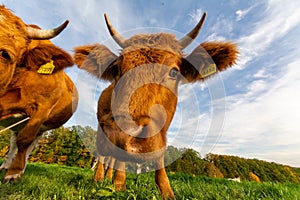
42 181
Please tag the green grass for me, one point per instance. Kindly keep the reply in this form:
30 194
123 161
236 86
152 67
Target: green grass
42 181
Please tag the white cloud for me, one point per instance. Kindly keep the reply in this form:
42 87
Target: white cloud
240 14
215 37
222 26
280 19
261 74
196 16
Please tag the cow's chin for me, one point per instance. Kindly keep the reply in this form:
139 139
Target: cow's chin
125 147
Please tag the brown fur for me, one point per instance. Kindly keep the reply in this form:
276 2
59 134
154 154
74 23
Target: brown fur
223 54
49 100
13 42
141 77
161 41
87 58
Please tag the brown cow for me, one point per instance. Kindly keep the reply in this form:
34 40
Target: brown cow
135 111
48 99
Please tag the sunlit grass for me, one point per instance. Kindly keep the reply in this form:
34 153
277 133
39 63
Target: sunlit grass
43 181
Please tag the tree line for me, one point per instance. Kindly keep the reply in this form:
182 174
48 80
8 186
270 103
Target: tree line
75 146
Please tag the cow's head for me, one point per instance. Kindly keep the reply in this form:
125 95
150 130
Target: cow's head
15 36
145 80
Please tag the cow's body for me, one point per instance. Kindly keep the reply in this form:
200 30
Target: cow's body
135 111
48 99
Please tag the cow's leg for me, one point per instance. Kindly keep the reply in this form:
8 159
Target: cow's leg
110 168
32 146
138 168
13 149
94 163
11 153
99 172
162 181
24 139
119 179
29 150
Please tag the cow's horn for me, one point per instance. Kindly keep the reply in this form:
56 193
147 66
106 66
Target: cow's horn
188 38
116 36
35 33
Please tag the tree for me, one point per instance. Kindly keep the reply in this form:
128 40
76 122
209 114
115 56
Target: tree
63 146
4 142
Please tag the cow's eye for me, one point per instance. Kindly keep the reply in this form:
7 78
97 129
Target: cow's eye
4 55
173 73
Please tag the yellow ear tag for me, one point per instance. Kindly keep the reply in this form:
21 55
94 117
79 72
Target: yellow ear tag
46 68
209 70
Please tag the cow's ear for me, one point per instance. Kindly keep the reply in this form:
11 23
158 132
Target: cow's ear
98 60
208 59
46 53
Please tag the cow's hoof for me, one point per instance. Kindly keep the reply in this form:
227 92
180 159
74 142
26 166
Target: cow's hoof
11 178
120 187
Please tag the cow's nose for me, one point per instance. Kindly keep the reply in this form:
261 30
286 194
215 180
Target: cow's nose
128 126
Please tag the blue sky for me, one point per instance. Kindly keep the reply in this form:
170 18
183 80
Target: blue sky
250 111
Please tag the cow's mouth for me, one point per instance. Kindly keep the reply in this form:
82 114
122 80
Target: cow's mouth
13 116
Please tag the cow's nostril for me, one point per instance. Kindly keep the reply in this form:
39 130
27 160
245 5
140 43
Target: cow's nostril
143 133
134 131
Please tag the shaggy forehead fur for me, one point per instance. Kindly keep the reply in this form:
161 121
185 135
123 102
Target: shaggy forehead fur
142 49
9 20
12 27
161 41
